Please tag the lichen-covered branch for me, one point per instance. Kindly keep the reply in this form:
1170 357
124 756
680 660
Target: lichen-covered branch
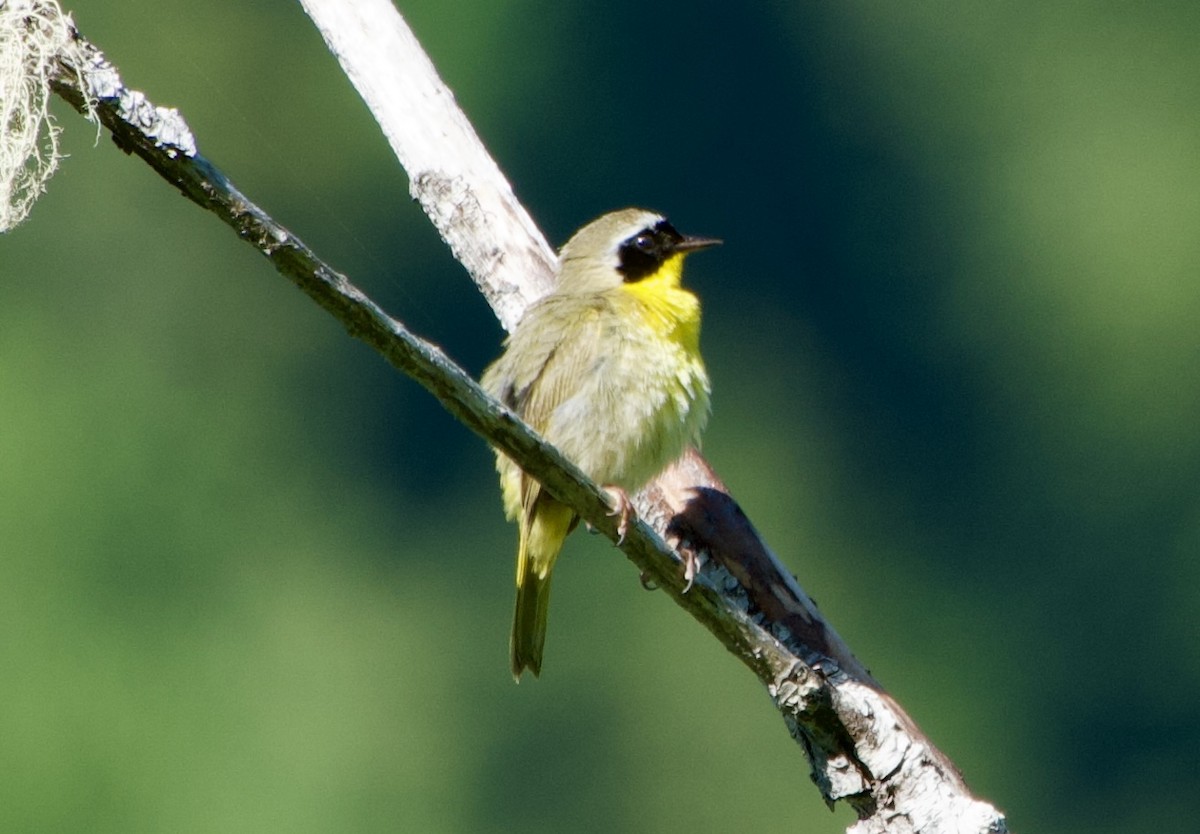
861 746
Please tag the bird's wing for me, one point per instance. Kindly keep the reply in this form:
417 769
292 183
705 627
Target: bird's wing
544 364
554 360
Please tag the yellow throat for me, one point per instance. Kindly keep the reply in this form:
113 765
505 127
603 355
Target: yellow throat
665 307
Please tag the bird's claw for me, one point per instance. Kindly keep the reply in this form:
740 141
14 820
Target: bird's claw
623 508
691 569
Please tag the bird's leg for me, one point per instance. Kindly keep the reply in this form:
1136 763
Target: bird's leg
622 507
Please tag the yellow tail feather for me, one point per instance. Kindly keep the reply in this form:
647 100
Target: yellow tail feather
543 529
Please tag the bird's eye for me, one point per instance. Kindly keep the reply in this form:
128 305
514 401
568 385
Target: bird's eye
641 254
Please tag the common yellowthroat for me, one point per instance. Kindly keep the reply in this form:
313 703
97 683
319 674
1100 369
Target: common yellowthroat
606 368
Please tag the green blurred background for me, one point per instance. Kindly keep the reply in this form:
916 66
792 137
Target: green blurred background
253 580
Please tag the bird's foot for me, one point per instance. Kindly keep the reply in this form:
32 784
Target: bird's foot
623 508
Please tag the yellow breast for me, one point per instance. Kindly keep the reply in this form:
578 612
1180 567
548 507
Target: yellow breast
656 401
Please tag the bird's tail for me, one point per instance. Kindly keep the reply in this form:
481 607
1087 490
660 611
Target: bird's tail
543 530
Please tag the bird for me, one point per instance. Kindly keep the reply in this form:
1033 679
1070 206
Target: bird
607 368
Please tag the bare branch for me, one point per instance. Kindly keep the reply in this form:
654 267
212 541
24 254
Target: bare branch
450 172
862 747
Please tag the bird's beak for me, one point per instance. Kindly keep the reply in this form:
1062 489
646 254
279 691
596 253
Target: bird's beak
692 244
